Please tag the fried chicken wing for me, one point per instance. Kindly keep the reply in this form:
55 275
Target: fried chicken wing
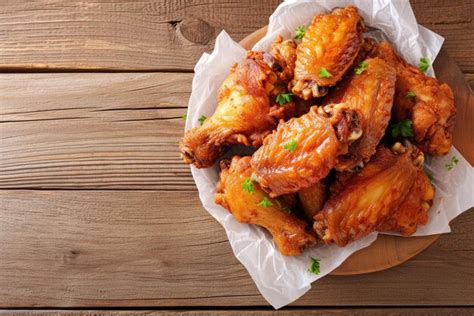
284 54
244 115
369 197
313 198
431 109
329 47
303 150
249 204
370 93
414 209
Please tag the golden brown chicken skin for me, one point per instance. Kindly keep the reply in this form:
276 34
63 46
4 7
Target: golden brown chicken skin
430 107
245 113
414 209
329 47
369 197
303 150
370 92
284 56
312 198
248 203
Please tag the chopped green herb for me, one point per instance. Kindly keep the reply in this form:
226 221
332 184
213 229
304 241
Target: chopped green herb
265 202
247 185
454 161
299 33
324 73
424 64
314 267
402 128
184 117
361 68
201 119
430 175
291 145
410 94
284 98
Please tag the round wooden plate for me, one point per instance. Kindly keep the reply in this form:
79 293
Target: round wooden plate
389 251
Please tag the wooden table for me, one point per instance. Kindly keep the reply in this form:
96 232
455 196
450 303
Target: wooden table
97 212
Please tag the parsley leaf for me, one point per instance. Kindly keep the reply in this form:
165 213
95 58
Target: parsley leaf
299 33
410 94
247 185
291 145
402 128
361 68
265 202
454 161
284 98
424 64
314 267
324 73
430 175
201 119
184 117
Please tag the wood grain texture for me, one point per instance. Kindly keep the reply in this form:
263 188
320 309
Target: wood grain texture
168 34
155 248
93 131
454 311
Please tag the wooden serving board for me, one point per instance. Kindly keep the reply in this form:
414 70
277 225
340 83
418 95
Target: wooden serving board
389 251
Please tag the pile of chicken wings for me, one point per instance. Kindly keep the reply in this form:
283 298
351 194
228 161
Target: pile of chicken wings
340 125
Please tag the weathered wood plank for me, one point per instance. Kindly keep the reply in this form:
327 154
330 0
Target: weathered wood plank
93 131
454 311
155 248
164 35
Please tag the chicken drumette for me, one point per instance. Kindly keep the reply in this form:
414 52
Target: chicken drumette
421 99
248 203
369 90
329 47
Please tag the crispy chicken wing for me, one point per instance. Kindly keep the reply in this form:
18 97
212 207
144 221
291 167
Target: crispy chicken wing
329 47
244 115
414 210
249 204
284 54
369 197
313 198
303 150
431 109
370 93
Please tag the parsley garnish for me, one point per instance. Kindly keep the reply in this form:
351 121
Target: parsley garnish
265 202
453 163
314 267
361 68
324 73
402 128
184 117
201 119
410 94
424 64
291 145
299 33
284 98
247 185
430 175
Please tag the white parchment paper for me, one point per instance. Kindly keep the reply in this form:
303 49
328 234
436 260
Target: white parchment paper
280 279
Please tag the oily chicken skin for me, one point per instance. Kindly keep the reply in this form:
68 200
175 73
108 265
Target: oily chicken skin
290 234
332 41
432 109
303 150
312 198
245 113
370 93
413 211
368 198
